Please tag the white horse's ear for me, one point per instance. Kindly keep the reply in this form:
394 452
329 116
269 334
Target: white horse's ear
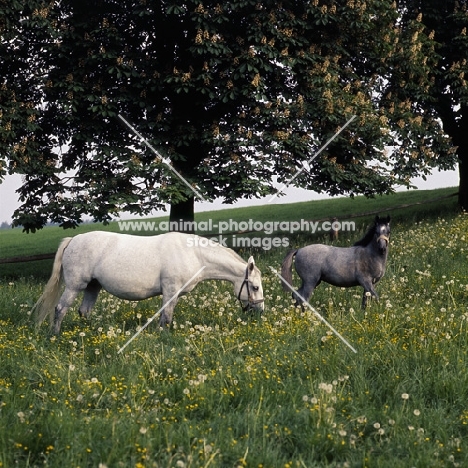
251 263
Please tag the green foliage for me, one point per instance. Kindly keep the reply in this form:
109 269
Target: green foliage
236 94
441 27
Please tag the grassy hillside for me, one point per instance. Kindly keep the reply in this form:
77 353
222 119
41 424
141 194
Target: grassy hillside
405 207
229 389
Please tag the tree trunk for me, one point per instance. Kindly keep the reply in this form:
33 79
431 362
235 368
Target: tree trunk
182 216
463 174
460 140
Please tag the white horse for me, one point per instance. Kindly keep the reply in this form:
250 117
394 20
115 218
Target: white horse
138 267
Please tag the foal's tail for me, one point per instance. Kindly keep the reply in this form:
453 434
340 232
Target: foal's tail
49 299
286 270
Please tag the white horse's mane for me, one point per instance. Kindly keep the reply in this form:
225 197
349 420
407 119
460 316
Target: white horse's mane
233 253
229 251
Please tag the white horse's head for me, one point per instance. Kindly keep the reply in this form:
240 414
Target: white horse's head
249 290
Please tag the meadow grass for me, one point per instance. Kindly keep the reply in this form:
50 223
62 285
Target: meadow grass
15 242
229 389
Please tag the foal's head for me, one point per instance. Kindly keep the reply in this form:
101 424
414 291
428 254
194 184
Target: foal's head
382 233
378 233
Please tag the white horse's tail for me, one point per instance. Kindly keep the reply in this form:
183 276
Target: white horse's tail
49 299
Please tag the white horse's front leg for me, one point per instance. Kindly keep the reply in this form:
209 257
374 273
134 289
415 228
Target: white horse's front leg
167 311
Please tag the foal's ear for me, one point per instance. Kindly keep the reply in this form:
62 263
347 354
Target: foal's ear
251 263
388 219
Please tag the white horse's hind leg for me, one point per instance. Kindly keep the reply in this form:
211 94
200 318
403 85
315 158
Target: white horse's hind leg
66 300
91 294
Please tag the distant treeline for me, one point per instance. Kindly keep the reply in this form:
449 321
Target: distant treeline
7 225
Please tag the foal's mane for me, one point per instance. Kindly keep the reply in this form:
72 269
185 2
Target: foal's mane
368 236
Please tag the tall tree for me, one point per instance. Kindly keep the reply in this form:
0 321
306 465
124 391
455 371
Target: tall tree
236 95
447 96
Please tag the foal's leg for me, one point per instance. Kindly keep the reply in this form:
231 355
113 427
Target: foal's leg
369 292
66 300
305 291
89 299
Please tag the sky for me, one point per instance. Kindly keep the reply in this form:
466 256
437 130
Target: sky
9 199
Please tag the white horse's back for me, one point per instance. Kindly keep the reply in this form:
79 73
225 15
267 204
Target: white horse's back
127 266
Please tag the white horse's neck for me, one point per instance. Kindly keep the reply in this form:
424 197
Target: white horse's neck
222 264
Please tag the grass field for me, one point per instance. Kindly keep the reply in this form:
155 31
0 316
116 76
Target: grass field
414 207
228 389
